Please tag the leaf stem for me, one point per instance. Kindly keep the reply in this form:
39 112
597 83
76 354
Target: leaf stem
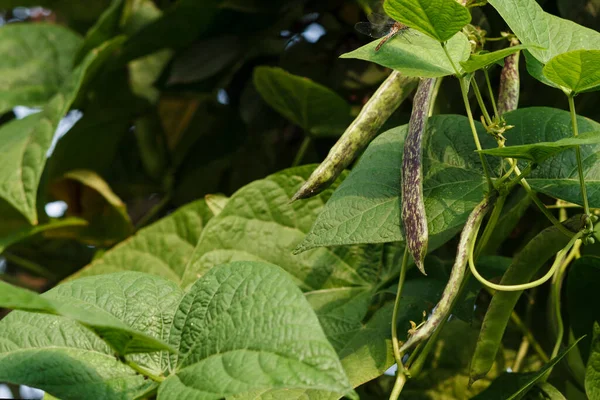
491 225
527 333
301 151
586 206
486 115
28 265
134 366
395 342
491 92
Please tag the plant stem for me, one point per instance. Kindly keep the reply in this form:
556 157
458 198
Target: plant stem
134 366
491 92
400 373
528 335
154 211
491 225
28 265
586 206
523 349
434 95
395 341
301 151
486 115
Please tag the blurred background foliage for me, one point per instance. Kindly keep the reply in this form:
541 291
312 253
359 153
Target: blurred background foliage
176 114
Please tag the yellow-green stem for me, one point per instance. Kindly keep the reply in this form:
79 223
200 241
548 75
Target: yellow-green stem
491 92
134 366
486 115
400 374
301 151
586 206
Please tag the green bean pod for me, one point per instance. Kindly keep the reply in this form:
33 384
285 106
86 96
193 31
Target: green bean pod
442 310
510 84
388 97
414 220
523 268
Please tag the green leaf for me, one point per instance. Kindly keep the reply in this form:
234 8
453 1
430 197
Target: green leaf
552 34
366 207
557 176
25 231
575 71
24 142
121 337
418 56
482 60
548 392
89 197
315 108
259 223
161 249
31 77
216 202
261 334
540 152
513 386
582 281
104 29
592 372
439 19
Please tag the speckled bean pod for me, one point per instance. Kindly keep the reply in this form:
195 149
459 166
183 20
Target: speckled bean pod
442 310
510 85
414 220
388 97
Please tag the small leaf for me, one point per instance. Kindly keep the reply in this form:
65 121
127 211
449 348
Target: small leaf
117 334
216 202
105 28
36 61
575 71
479 61
592 372
540 152
89 197
439 19
513 386
262 334
313 107
416 55
161 249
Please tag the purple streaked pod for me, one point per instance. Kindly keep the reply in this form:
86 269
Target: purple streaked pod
414 220
510 85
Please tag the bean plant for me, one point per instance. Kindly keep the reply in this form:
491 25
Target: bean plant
449 256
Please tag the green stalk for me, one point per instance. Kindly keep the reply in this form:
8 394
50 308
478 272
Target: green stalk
491 225
301 151
486 115
491 92
586 206
400 374
134 366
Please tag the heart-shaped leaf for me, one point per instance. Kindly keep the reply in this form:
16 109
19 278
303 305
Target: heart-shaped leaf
261 333
439 19
313 107
575 71
416 55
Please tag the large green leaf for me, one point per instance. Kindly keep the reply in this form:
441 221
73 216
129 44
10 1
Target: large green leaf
513 386
35 60
260 223
162 248
245 326
557 176
541 151
416 55
366 207
439 19
575 71
582 284
117 334
315 108
552 34
60 356
24 143
592 372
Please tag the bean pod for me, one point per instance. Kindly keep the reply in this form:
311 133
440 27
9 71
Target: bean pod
527 263
510 85
388 97
414 220
442 310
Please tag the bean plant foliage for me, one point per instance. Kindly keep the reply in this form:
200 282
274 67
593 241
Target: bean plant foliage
232 199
